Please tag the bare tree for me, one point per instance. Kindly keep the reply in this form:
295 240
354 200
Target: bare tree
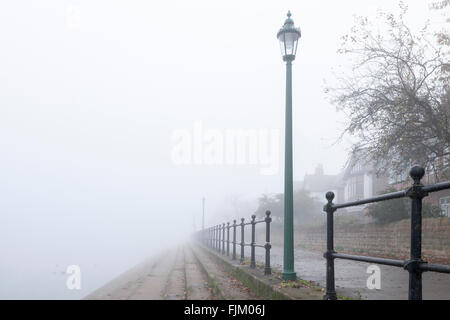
397 96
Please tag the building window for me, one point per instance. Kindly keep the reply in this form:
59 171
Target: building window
356 188
444 203
357 167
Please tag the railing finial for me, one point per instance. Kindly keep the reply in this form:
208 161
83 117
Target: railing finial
417 173
330 196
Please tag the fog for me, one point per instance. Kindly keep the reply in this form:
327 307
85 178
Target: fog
96 97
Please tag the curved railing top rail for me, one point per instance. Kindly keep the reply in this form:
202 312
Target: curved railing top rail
383 197
437 187
235 222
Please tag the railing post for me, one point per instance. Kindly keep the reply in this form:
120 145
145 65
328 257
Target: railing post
213 242
252 252
228 239
233 256
223 238
216 237
242 240
416 193
267 246
219 244
328 208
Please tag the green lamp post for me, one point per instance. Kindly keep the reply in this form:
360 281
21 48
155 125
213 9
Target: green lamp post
288 37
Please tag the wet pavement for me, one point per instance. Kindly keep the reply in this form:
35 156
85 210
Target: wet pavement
351 276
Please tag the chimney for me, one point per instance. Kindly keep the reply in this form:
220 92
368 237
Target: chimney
319 170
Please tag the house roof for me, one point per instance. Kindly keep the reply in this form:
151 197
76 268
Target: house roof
364 165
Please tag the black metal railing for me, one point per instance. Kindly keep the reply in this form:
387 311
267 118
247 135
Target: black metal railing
415 265
218 238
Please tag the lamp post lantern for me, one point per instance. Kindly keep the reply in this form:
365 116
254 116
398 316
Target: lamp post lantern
288 37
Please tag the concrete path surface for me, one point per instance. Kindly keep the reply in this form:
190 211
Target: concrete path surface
147 280
175 275
229 287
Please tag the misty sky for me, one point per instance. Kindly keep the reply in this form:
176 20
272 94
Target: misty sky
90 95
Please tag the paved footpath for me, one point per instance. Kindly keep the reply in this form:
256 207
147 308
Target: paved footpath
174 275
351 276
177 275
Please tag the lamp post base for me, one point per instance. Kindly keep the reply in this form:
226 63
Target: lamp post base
288 275
330 296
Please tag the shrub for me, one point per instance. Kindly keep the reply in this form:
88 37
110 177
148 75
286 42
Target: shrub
398 209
